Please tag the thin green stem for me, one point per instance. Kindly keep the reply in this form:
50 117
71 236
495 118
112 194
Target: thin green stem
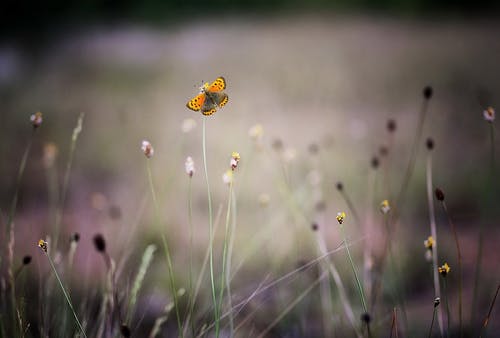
65 295
59 212
432 222
358 283
166 248
447 306
226 240
432 322
459 258
487 319
211 232
190 221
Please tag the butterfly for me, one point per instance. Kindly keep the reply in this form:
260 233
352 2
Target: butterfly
210 98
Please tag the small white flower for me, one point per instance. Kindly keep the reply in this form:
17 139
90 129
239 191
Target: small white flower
188 125
227 178
189 166
289 154
235 159
489 114
256 132
36 119
147 149
385 207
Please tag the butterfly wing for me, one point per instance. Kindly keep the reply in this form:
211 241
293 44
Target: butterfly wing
218 85
197 102
213 101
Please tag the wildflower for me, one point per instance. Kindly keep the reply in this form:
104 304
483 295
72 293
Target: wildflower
227 178
439 194
256 132
429 243
50 152
43 245
36 119
188 125
444 269
264 200
235 159
100 243
189 164
341 217
385 207
489 114
147 148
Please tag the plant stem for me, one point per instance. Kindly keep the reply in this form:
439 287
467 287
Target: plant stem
459 258
211 232
66 295
166 248
432 322
432 222
358 283
487 319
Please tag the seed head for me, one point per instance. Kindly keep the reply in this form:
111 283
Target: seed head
235 159
189 164
339 186
489 114
366 318
429 243
375 162
391 125
437 301
341 217
429 143
125 331
314 227
26 260
36 119
75 237
100 243
444 269
147 149
427 92
385 207
439 194
43 245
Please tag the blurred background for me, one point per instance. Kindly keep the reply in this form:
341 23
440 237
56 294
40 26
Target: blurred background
322 78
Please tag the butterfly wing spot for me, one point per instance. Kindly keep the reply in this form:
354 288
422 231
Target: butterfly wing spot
197 102
218 85
208 112
223 100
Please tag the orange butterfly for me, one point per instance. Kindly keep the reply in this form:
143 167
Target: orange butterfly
210 98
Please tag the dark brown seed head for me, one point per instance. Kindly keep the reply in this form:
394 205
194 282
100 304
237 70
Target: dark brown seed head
391 125
340 186
429 143
125 330
26 260
314 227
375 162
427 92
100 243
439 194
366 318
75 237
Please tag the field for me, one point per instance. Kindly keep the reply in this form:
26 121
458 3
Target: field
329 115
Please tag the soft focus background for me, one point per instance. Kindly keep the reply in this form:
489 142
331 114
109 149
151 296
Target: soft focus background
322 79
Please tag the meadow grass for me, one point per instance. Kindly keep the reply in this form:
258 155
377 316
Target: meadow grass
250 289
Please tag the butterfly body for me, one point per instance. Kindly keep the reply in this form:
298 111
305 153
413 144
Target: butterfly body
210 98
